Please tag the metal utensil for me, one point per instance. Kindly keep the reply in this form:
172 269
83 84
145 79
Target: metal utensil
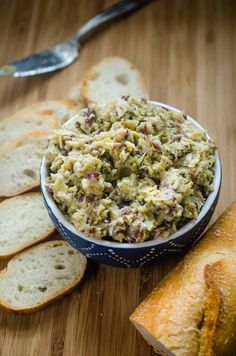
63 54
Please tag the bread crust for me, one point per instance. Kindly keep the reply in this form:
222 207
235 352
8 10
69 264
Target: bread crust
173 311
76 95
211 312
55 123
18 116
40 238
56 296
89 74
38 107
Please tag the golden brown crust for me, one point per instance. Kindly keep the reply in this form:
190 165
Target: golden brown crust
36 107
42 238
27 136
90 73
224 275
47 114
70 103
211 312
41 306
19 191
173 312
76 95
60 109
55 296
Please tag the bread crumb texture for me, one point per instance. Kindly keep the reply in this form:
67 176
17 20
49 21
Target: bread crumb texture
39 275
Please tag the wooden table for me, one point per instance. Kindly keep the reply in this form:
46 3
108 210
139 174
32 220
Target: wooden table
186 50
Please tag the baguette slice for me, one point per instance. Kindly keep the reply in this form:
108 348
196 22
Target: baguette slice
19 161
31 223
39 275
75 94
110 79
61 109
193 310
16 125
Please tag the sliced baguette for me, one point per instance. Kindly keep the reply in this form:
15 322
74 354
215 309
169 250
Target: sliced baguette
193 310
39 275
16 125
110 79
61 109
31 223
19 161
75 94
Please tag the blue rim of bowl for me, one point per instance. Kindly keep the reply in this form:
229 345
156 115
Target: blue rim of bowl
112 244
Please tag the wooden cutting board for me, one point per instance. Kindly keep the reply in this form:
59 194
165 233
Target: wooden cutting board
186 50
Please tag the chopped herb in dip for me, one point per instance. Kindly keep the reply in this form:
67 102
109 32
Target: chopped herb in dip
129 171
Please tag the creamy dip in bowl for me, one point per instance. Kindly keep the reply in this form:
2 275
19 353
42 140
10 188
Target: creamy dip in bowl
131 173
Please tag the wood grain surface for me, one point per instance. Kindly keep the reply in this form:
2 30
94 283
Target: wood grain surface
186 51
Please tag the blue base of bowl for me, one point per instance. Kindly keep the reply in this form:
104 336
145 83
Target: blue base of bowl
132 256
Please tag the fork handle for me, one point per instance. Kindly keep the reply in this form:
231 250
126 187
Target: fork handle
121 8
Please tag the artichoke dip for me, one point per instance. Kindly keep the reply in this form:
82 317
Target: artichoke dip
130 172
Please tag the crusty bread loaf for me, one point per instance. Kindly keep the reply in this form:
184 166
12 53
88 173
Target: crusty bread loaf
61 109
110 79
193 310
19 161
75 94
218 335
24 221
19 124
39 275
